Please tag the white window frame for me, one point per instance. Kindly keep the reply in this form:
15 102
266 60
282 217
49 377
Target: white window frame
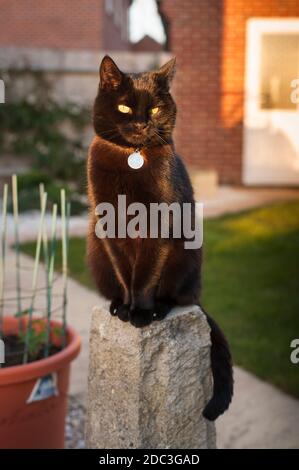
257 118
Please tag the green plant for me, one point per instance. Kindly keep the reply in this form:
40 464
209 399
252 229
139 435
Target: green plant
36 339
35 126
28 184
35 332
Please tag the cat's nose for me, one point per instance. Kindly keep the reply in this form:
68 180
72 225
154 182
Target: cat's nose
140 126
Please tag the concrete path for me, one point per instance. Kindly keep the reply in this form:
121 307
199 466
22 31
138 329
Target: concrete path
260 416
229 199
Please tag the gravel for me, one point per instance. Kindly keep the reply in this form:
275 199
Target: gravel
75 424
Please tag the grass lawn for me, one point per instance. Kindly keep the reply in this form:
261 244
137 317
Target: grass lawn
250 286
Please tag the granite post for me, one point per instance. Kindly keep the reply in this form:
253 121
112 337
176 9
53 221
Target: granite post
147 387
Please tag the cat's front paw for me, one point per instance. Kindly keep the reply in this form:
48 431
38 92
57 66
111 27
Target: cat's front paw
117 308
123 312
161 310
114 306
140 317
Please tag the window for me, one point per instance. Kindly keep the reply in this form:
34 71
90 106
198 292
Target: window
279 67
124 23
118 12
109 4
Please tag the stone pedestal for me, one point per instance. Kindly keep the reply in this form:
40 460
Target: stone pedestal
147 387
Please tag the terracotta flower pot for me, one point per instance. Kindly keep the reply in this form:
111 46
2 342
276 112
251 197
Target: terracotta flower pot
33 397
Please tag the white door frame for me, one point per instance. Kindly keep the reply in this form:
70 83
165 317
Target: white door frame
257 119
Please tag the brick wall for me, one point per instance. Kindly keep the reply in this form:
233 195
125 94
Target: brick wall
208 38
62 24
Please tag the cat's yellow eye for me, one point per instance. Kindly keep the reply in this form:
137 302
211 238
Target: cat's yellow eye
154 110
124 109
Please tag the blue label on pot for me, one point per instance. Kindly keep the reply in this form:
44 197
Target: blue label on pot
44 388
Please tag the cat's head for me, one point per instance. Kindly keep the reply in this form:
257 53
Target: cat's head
135 109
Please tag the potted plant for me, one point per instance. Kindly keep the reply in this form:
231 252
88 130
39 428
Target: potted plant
38 349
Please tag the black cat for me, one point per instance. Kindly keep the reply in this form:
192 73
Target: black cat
145 277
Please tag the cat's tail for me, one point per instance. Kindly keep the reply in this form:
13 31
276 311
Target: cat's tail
222 371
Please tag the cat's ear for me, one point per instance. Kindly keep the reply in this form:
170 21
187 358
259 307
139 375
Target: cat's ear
110 75
167 71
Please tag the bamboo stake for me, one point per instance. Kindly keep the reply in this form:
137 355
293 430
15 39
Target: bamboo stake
64 263
3 256
34 277
68 216
45 243
17 244
50 278
53 242
45 236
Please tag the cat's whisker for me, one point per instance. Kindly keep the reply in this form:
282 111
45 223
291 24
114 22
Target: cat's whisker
164 132
108 131
171 154
109 134
161 138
